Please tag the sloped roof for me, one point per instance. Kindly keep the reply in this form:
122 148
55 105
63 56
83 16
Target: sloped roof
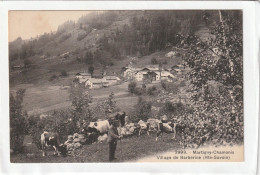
97 80
111 78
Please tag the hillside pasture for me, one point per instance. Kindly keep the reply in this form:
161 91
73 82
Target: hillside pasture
133 148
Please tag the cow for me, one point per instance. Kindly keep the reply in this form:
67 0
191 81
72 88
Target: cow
144 126
51 139
101 127
168 127
161 126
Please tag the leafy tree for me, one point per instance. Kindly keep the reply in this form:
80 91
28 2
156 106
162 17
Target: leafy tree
142 110
216 64
111 103
17 121
91 70
89 58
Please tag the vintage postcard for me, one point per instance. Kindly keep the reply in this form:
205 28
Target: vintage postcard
173 80
126 86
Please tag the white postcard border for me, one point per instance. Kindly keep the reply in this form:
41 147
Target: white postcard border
251 91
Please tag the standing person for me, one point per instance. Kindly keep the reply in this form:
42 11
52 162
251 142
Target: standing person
113 136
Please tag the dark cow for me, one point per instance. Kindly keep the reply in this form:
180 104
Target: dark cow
120 116
51 139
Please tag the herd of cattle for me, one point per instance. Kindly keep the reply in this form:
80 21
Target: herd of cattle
97 132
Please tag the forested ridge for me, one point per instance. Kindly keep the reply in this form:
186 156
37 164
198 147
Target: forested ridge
119 33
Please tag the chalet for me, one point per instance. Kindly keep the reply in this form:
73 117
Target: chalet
129 73
94 83
139 76
165 75
111 79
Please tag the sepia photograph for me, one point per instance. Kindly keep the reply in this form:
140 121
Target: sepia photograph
126 86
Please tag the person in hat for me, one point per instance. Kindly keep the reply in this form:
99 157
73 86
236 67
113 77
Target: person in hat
113 136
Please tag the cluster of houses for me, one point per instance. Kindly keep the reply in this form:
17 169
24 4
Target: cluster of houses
148 73
152 73
89 81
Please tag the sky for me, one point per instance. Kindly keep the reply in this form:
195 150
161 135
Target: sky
27 24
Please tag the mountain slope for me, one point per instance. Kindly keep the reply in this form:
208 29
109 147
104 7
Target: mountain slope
105 40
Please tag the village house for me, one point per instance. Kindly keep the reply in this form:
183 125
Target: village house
149 72
130 72
94 83
112 79
165 75
155 76
139 76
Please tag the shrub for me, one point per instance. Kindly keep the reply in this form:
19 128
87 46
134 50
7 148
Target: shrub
170 108
53 77
111 63
151 90
170 87
154 61
164 86
132 87
64 73
139 91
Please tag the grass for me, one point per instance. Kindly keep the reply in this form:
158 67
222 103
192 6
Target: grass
133 148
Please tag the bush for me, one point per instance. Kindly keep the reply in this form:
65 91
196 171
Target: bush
17 122
132 87
174 109
53 77
154 61
139 91
151 90
64 73
170 87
